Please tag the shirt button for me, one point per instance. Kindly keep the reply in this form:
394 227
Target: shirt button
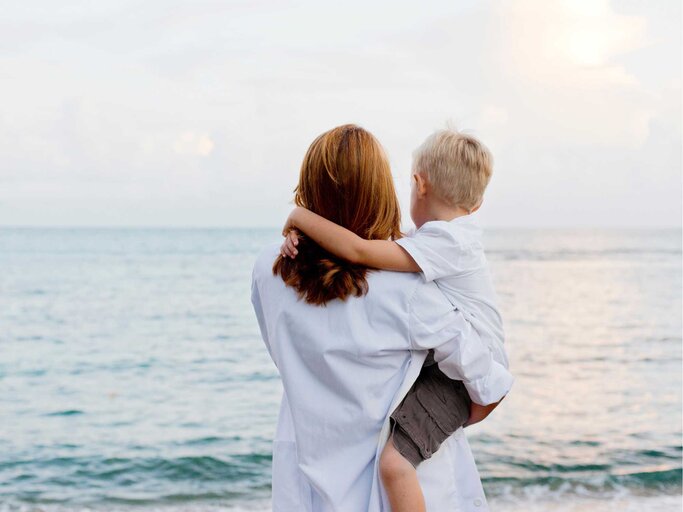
477 502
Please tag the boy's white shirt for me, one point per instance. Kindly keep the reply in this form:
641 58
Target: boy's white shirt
345 367
451 253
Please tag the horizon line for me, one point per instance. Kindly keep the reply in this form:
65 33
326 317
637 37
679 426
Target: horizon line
264 228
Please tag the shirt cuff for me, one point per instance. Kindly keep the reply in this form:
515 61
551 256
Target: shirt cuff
411 248
491 388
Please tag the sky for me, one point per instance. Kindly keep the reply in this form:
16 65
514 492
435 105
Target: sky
198 113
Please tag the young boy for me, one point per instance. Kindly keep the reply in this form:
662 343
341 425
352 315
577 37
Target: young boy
449 176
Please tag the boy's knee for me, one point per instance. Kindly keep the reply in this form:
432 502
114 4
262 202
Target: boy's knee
392 465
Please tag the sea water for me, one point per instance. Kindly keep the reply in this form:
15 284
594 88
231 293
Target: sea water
133 377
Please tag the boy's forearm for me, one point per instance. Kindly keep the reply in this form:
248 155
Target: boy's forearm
332 237
345 244
480 412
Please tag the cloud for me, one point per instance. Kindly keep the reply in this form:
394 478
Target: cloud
200 103
195 144
559 64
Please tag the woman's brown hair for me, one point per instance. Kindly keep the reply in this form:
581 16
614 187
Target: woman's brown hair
345 177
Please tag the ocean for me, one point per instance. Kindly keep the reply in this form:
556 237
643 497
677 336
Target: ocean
133 377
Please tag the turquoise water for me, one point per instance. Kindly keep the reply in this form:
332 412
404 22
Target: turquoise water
132 374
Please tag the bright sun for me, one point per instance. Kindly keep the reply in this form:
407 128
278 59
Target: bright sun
588 47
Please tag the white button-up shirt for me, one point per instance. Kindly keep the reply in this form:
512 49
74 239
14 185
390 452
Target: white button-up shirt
344 367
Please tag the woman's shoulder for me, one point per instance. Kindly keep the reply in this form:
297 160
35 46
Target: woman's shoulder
394 289
263 265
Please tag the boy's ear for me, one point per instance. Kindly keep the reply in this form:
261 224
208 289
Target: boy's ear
476 207
420 184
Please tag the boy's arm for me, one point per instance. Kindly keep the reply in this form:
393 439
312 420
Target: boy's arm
345 244
480 412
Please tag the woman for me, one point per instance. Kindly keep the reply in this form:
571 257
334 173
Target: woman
349 343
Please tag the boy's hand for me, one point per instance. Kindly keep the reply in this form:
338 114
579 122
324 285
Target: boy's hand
480 412
289 223
288 247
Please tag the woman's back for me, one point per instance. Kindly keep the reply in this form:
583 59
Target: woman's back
344 367
341 366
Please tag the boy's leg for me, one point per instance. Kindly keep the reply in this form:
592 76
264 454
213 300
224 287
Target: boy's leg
434 408
400 480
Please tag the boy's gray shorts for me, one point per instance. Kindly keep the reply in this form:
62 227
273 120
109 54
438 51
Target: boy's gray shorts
433 409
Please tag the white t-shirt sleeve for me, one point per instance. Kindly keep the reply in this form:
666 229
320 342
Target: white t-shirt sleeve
437 250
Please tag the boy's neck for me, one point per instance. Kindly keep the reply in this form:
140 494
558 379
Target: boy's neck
436 210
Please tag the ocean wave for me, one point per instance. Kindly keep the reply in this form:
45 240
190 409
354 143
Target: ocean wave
198 468
592 481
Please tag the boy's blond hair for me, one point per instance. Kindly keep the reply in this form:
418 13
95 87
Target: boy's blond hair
457 166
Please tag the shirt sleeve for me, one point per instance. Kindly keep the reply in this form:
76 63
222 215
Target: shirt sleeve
437 251
461 355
